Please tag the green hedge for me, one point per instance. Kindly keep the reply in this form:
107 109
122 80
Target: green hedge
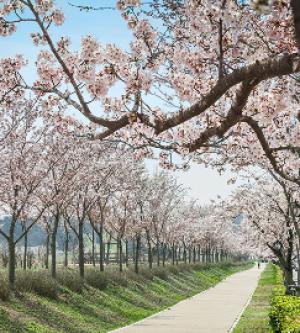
285 311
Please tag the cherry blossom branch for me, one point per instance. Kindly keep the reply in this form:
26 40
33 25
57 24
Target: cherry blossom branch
266 148
231 120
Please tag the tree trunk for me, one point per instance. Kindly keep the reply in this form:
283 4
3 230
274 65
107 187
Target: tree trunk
53 246
25 251
164 253
11 263
173 254
108 250
194 254
81 249
47 251
119 250
137 253
66 246
126 252
93 248
150 257
158 254
102 248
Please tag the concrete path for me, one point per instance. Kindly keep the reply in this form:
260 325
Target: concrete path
213 311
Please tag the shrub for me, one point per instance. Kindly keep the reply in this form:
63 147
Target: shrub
173 269
39 282
285 310
70 279
117 278
97 279
285 314
184 268
146 273
4 289
160 272
131 275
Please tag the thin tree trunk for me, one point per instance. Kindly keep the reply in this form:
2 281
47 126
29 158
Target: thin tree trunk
11 263
25 251
126 252
66 246
81 249
173 254
102 248
93 248
108 250
150 257
158 254
53 246
119 250
164 253
47 251
137 253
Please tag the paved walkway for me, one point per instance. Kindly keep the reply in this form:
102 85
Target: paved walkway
212 311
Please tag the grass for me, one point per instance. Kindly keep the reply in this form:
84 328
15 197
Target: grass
256 316
105 306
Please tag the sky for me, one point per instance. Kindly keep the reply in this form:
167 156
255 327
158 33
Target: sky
205 184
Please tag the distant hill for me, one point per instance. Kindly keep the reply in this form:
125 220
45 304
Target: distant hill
36 236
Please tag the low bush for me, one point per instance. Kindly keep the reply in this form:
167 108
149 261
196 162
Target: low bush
160 272
117 278
285 310
173 269
4 289
39 282
70 279
131 275
96 279
285 314
146 273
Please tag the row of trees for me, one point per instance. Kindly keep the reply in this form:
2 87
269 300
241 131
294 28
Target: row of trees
64 181
271 220
215 81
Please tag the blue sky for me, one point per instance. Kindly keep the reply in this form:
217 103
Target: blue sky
106 26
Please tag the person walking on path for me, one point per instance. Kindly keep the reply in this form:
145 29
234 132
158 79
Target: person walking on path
258 264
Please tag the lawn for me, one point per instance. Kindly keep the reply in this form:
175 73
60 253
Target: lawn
256 316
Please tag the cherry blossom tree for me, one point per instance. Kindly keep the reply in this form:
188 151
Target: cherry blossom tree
23 171
224 73
269 217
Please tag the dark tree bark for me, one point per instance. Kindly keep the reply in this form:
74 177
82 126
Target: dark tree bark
150 257
137 253
81 248
102 248
296 13
53 244
173 254
126 252
164 253
66 245
11 263
25 252
120 253
93 248
47 251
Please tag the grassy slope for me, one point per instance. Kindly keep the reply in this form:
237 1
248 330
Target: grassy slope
256 316
97 311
